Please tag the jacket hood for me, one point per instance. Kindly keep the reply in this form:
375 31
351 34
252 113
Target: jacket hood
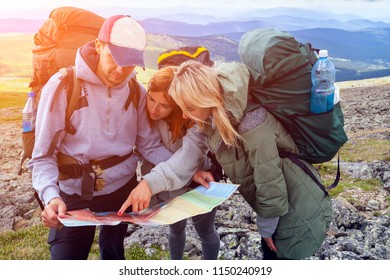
234 80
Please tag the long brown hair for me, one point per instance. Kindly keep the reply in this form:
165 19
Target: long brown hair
160 83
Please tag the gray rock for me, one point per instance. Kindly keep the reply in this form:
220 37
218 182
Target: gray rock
230 241
6 224
8 212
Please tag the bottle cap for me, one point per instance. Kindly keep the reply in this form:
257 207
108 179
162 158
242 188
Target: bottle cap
323 53
31 94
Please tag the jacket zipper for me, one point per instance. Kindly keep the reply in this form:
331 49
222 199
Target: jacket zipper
108 107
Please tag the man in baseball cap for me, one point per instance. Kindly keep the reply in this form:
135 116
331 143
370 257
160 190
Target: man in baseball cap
97 165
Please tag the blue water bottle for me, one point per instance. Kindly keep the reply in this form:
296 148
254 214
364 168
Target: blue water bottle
323 76
29 113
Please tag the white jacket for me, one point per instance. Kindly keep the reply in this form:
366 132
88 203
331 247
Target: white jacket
190 154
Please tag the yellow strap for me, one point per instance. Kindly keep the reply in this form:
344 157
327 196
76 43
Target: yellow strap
175 52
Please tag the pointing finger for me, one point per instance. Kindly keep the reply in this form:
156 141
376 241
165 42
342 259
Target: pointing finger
124 207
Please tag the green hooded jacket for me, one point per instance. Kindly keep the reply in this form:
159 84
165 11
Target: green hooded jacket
272 186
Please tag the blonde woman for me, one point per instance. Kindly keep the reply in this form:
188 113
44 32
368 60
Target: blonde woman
293 213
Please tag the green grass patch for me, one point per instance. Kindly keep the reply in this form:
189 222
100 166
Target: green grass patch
328 171
13 92
136 252
13 95
25 244
12 99
31 244
369 185
365 150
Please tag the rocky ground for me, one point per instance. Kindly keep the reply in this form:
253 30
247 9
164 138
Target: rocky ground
360 227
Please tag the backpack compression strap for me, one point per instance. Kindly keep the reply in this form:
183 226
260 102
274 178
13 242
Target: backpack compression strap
293 157
217 167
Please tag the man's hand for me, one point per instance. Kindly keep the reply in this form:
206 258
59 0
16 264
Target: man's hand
203 177
56 208
139 198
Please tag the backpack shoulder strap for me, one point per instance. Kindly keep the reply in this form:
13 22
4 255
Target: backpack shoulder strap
73 95
134 94
73 91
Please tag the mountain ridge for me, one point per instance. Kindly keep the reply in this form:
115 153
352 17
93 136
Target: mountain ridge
358 53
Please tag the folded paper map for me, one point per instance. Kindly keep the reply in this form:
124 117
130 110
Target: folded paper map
197 201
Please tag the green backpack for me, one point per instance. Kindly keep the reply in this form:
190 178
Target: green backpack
280 70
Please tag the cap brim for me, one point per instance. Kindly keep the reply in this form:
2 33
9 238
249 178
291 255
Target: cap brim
127 56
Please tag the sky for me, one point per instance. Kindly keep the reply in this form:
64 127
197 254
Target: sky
371 9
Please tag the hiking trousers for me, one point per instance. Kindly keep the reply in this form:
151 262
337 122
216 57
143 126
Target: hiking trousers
204 226
74 243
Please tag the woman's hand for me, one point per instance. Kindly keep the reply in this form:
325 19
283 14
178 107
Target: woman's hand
270 244
203 177
139 198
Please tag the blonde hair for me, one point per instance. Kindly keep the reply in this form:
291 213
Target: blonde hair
196 85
